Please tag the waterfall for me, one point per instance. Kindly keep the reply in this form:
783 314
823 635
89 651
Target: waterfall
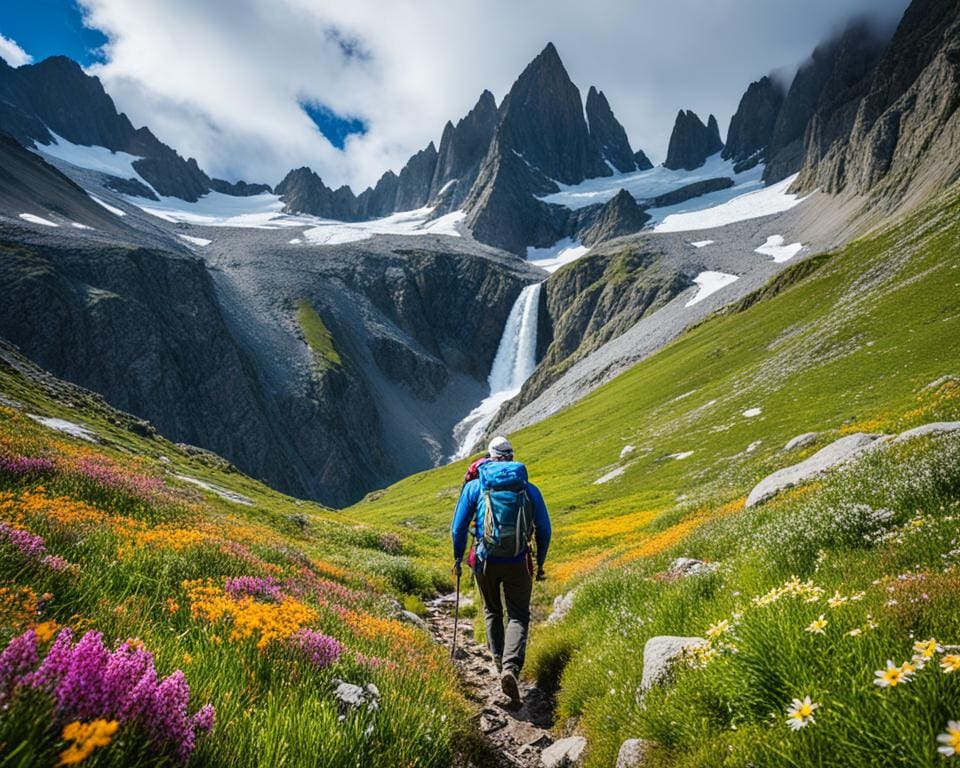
514 362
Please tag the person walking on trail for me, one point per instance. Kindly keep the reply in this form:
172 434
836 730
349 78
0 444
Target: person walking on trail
506 510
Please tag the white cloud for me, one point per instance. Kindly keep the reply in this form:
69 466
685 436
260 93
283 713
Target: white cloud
220 79
12 53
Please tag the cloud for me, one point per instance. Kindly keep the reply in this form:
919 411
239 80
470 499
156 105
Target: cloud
12 53
224 80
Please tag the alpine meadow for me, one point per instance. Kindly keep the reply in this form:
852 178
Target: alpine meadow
537 449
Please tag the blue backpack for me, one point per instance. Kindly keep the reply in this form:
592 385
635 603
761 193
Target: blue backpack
504 522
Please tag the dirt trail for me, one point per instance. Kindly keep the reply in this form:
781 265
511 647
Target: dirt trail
515 735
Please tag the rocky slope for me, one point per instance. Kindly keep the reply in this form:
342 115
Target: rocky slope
692 142
618 217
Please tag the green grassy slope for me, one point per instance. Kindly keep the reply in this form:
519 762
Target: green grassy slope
851 345
261 603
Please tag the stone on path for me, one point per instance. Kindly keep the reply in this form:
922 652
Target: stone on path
633 753
562 753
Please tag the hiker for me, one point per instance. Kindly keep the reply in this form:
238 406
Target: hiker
501 557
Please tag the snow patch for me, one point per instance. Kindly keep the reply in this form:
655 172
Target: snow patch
750 205
67 427
93 158
710 283
201 241
416 222
295 241
113 209
38 220
751 412
701 243
78 225
555 256
774 247
215 209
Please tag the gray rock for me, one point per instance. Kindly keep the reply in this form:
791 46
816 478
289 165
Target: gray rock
690 566
642 161
561 607
351 697
303 191
659 653
838 451
633 753
607 133
619 216
413 619
563 753
692 142
690 191
801 441
927 429
752 124
462 149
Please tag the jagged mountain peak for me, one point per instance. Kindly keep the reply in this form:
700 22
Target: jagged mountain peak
692 142
607 132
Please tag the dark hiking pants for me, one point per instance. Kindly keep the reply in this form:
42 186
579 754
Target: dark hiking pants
516 583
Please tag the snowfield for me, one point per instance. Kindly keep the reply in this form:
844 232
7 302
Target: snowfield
774 247
710 283
706 213
201 241
93 158
416 222
113 209
555 256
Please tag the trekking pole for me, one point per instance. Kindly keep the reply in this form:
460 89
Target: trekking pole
456 620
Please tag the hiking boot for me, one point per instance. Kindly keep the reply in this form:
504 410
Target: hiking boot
508 684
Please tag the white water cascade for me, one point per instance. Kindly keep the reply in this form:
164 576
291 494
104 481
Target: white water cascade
515 360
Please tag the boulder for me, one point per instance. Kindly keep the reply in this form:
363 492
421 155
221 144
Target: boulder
633 753
690 566
563 753
838 451
659 654
927 429
801 441
351 697
413 619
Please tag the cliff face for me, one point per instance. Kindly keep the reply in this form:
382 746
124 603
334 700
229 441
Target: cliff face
899 135
692 142
751 126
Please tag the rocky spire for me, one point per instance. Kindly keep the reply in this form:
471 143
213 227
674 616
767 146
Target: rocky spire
303 191
752 125
692 142
462 149
607 133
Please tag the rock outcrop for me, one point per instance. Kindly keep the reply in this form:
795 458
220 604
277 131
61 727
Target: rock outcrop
607 133
659 654
564 753
413 184
619 216
633 753
643 163
690 191
462 149
303 191
692 142
752 124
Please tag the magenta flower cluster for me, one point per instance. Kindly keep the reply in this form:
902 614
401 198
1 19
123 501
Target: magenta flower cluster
88 681
108 474
319 649
33 547
26 465
308 584
262 588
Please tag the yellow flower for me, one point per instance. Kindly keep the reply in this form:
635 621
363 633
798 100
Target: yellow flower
892 676
817 627
950 740
837 600
187 658
45 631
719 628
86 737
927 648
950 663
800 713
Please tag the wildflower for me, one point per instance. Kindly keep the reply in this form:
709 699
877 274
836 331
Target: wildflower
800 713
950 740
172 605
718 629
927 648
45 631
855 632
837 600
320 649
892 676
950 663
818 626
86 737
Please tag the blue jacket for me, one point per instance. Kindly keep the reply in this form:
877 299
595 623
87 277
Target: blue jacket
467 510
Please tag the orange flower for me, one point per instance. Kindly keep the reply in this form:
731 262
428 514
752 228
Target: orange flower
86 737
